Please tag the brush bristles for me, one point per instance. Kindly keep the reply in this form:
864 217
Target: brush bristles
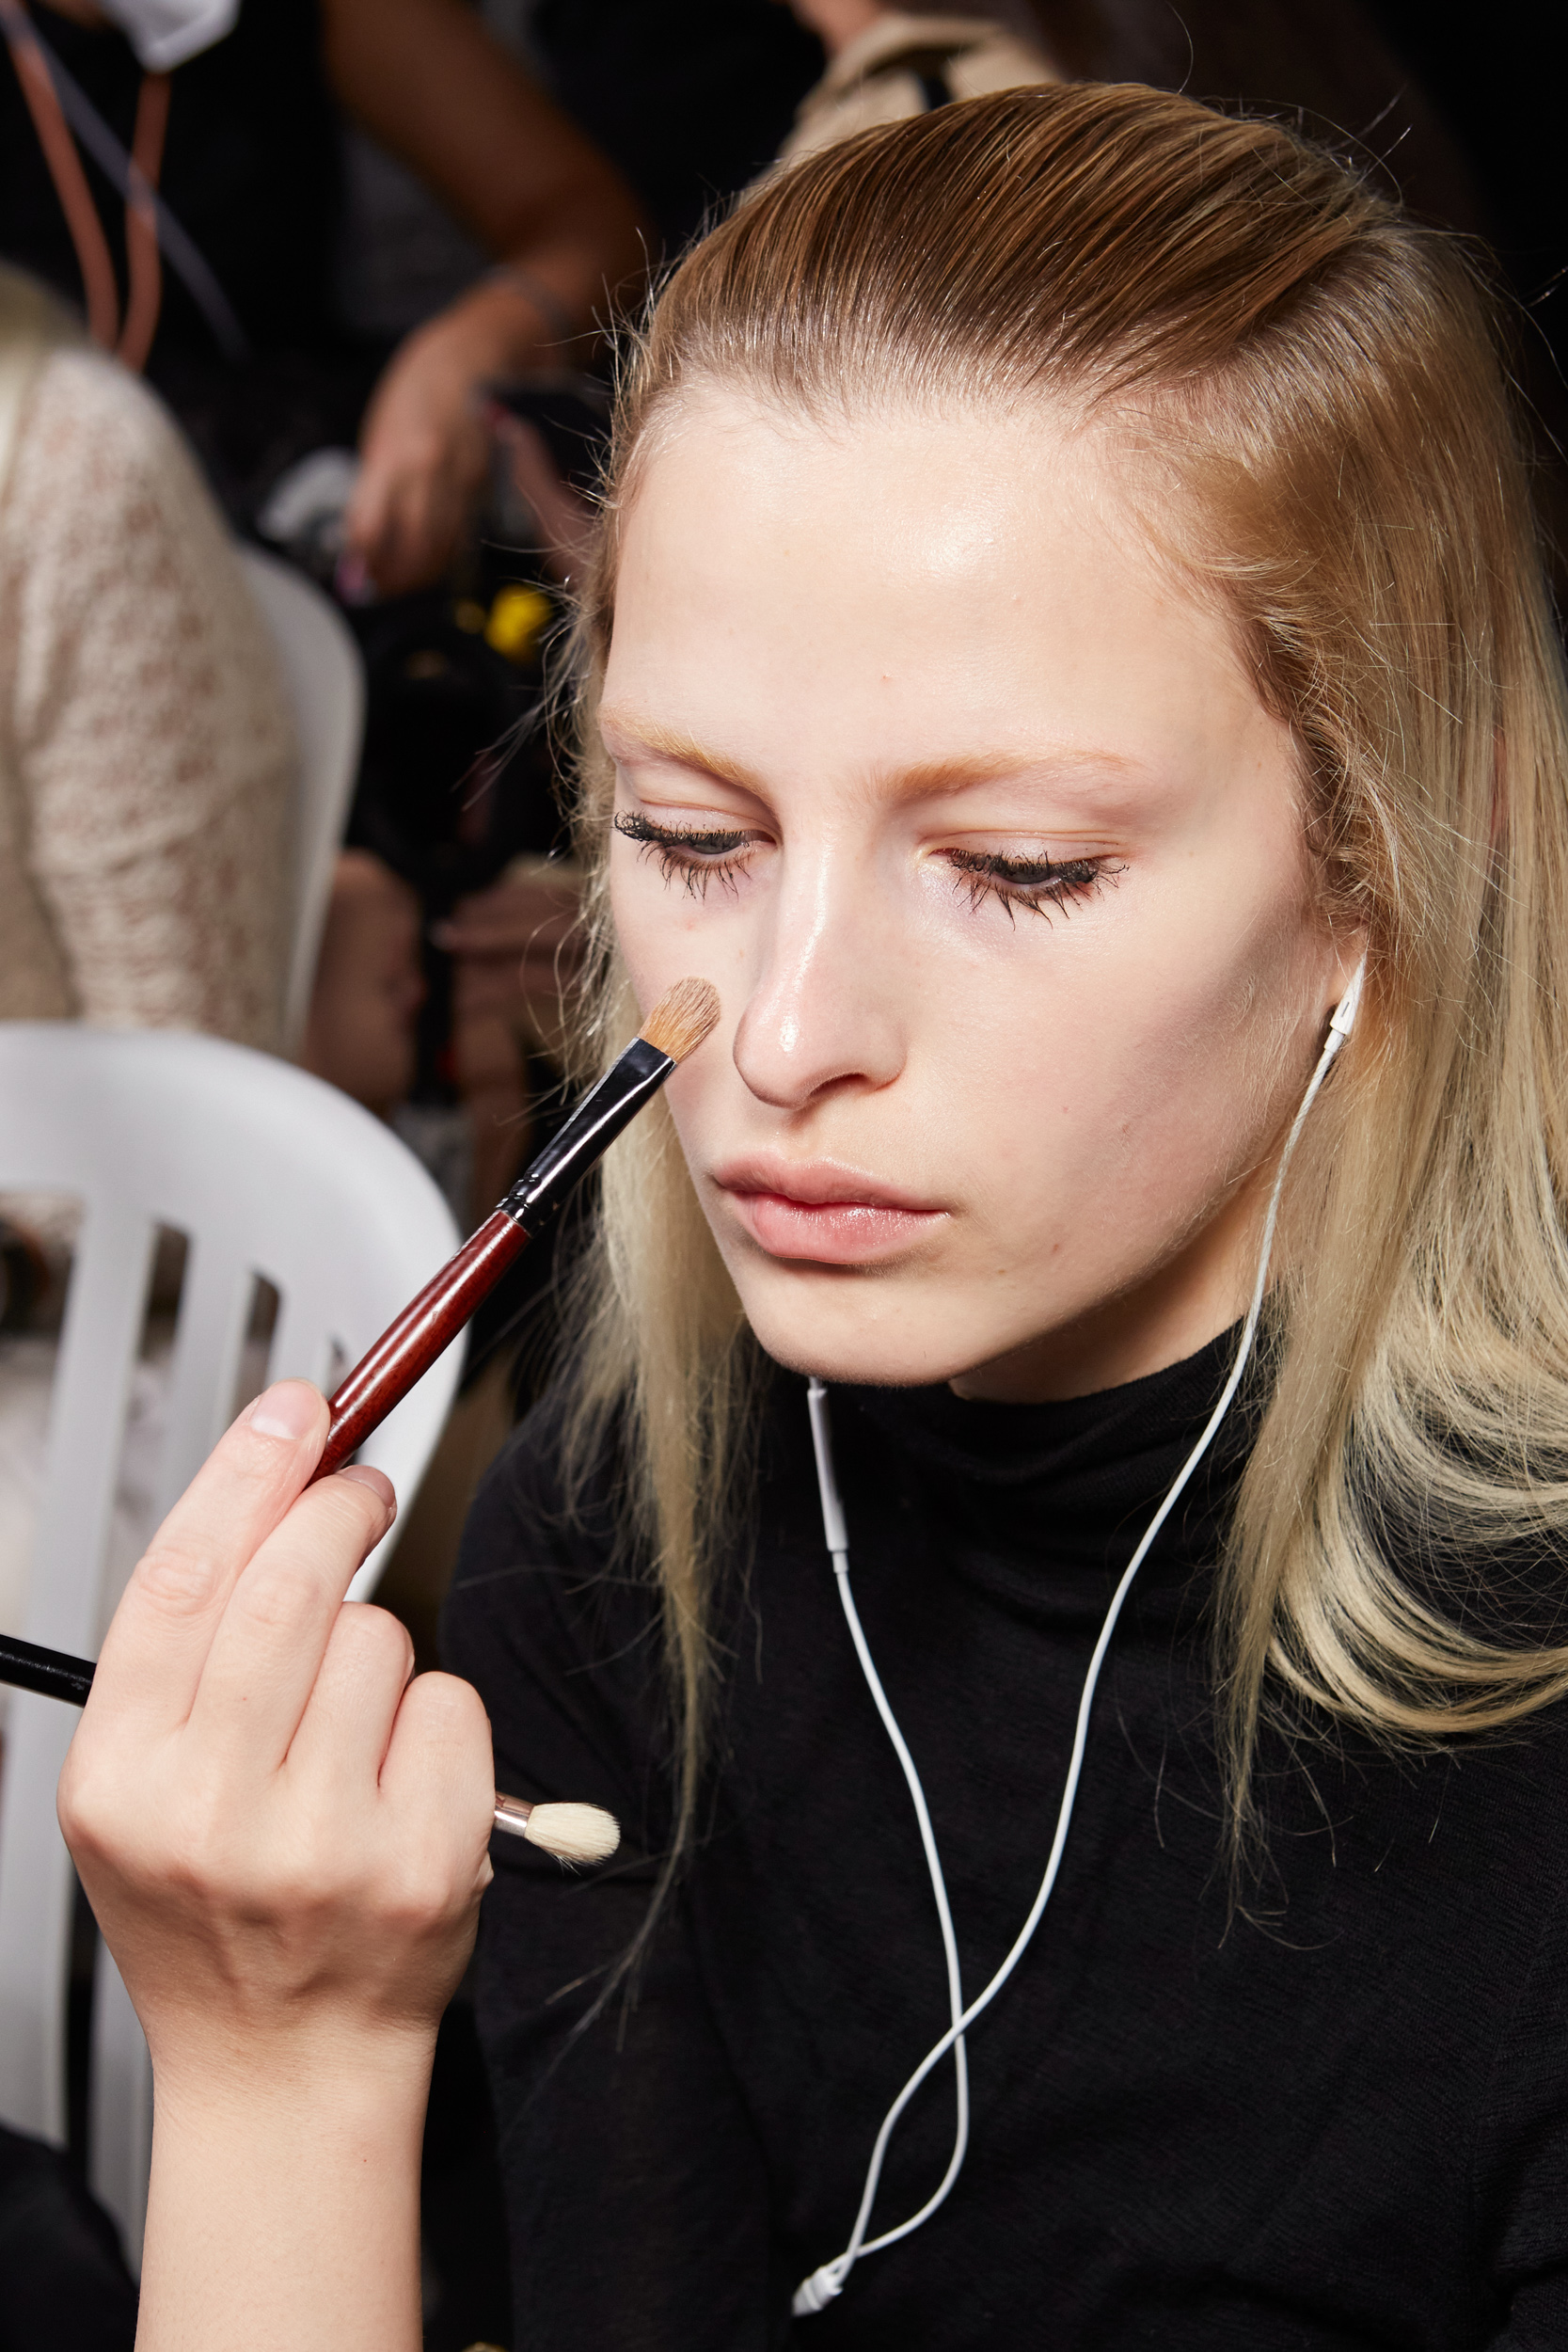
682 1018
574 1833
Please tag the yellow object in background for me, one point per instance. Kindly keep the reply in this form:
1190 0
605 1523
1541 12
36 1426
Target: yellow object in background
518 618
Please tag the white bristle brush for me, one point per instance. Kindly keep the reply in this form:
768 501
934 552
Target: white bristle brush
572 1833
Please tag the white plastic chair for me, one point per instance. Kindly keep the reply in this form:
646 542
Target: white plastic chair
267 1172
324 680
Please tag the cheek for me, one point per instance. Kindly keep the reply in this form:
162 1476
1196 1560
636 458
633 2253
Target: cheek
664 936
1161 1078
653 923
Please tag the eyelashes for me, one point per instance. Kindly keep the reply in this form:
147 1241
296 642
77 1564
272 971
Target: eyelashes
695 858
1037 885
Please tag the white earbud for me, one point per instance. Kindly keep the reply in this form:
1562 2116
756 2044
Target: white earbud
815 2292
1343 1019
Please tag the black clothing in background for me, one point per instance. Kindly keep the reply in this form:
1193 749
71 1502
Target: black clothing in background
1341 2122
690 99
64 2286
251 171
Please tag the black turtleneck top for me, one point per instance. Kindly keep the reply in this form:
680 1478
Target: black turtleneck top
1336 2116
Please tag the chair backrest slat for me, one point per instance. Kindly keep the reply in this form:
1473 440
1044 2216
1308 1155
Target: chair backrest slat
265 1172
215 1302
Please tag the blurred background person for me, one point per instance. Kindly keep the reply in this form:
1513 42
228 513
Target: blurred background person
147 758
148 792
226 187
359 1033
884 64
229 112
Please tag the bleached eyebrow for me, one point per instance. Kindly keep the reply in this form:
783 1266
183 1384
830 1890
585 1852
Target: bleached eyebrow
931 779
1064 762
649 735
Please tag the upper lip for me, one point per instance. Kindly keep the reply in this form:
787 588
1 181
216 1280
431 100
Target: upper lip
815 1183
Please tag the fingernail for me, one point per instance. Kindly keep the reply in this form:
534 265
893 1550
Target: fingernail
291 1409
377 1481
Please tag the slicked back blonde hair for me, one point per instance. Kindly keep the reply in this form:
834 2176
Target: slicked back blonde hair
1308 390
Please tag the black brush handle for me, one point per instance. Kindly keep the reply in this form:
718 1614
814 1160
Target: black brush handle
26 1667
55 1675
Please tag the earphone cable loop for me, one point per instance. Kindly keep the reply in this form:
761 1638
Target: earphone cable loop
816 2291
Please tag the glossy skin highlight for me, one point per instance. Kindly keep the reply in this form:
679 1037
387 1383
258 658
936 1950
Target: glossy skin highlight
970 809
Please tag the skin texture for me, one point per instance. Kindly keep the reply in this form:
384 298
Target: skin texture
433 86
285 1843
874 662
864 663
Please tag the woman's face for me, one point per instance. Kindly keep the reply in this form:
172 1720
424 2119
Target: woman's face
971 814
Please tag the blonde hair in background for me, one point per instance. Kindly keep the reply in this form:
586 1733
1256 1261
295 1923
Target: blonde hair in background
1309 405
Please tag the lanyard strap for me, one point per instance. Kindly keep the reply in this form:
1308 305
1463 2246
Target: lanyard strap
59 106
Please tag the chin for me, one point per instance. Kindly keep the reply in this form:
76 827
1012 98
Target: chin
852 1339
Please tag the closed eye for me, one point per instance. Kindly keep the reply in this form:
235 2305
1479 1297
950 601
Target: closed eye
696 856
1037 885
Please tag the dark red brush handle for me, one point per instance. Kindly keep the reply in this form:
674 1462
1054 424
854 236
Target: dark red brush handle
409 1347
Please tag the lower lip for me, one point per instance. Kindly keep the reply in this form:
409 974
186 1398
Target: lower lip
832 1232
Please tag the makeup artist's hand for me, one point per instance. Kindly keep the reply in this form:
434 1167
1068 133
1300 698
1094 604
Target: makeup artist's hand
284 1841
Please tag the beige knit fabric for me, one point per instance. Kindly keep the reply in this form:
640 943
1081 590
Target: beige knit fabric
147 762
867 84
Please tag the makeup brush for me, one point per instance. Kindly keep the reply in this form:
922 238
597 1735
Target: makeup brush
572 1833
428 1324
682 1018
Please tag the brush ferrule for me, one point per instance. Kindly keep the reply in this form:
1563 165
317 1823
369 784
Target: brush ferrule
598 1118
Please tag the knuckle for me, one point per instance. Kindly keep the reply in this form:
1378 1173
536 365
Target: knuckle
354 1512
176 1578
424 1894
278 1596
451 1707
390 1635
84 1807
378 1642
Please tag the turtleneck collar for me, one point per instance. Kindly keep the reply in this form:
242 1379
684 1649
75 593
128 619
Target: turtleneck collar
1044 1505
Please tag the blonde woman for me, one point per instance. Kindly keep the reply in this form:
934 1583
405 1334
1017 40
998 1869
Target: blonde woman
1066 631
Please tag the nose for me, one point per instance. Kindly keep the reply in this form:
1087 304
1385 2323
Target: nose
827 1011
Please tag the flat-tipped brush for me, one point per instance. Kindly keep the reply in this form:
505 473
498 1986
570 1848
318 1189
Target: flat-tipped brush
429 1324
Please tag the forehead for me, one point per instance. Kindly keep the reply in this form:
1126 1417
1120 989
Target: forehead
910 584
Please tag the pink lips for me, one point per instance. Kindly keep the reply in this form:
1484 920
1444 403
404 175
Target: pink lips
816 1210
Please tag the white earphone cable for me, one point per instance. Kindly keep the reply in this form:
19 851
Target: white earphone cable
816 2292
